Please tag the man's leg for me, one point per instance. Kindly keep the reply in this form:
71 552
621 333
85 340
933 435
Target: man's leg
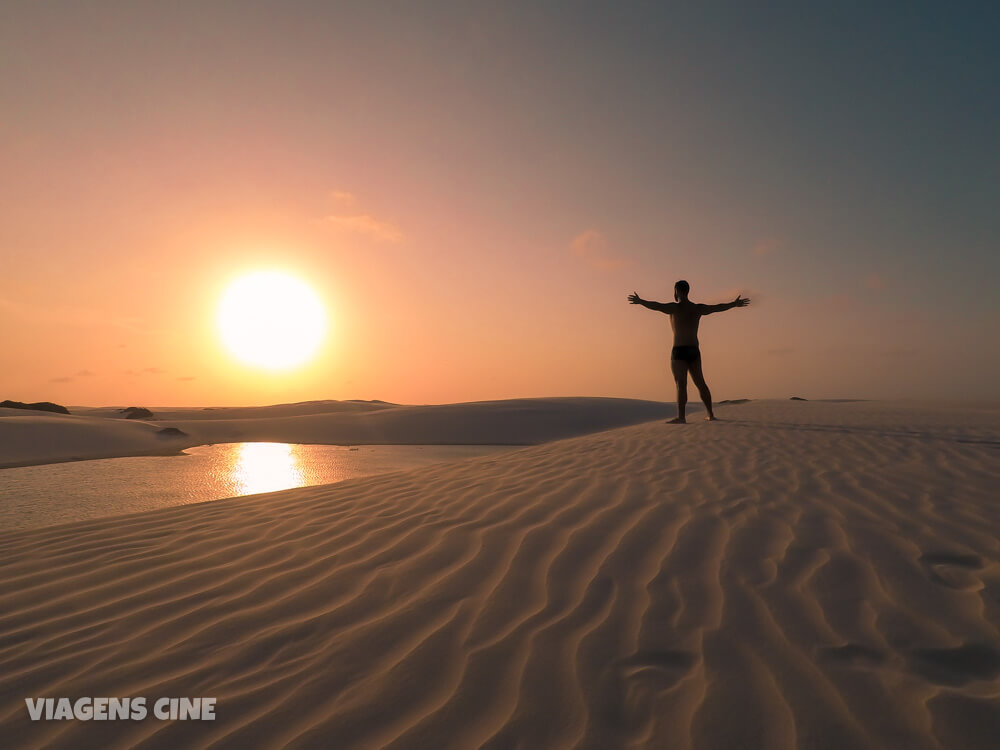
699 381
680 370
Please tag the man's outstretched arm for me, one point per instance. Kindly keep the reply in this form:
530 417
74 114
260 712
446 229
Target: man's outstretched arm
663 307
709 309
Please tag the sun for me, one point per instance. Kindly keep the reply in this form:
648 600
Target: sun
271 320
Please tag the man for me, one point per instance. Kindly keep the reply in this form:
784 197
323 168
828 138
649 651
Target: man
685 357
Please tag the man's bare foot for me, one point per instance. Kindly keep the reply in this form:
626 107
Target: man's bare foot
677 420
711 418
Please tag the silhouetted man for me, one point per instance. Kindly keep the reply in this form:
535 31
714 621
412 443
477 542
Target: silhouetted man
685 357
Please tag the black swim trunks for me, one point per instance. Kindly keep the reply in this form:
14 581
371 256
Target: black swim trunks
685 353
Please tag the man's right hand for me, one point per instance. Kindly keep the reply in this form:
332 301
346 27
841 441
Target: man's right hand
634 299
740 302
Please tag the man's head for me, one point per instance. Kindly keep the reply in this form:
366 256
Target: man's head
681 289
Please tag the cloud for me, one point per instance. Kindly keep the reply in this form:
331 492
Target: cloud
85 374
875 281
343 198
367 224
63 379
765 247
186 377
349 217
153 370
591 247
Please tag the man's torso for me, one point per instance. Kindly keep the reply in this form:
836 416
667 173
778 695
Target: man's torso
684 322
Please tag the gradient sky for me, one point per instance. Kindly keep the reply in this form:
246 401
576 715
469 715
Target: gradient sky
474 188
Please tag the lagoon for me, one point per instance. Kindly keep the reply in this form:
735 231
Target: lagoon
35 496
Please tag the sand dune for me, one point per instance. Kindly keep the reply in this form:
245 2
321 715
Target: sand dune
28 438
510 422
37 438
799 576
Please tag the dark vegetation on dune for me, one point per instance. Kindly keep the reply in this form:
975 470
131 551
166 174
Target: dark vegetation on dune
37 406
169 432
136 412
797 398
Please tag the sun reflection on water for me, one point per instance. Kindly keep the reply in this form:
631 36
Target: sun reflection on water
265 467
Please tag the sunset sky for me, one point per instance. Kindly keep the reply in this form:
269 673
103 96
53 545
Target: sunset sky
473 189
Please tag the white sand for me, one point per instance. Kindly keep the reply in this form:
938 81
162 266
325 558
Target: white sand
29 438
800 575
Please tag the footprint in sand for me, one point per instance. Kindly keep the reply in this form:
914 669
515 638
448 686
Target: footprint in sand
663 669
854 654
635 682
954 570
956 666
942 666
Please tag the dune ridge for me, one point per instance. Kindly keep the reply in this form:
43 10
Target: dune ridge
796 576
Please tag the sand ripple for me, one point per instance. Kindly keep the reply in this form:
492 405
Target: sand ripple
799 576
